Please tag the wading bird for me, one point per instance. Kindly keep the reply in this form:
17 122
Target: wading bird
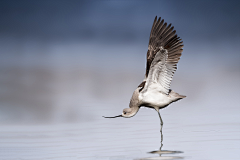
164 52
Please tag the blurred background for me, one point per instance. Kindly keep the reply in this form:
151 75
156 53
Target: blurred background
65 64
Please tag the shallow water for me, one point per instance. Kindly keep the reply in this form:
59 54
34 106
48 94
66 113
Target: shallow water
120 140
196 136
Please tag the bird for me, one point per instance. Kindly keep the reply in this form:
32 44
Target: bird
164 51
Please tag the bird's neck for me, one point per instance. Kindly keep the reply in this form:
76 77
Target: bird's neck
134 110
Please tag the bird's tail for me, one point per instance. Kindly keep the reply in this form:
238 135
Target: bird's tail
175 96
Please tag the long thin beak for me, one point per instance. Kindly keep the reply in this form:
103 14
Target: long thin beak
113 117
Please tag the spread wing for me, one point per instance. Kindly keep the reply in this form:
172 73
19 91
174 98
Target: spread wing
164 52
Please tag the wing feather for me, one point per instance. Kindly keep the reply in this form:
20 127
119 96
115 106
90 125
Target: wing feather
164 52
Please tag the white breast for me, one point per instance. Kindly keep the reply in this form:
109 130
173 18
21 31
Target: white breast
154 97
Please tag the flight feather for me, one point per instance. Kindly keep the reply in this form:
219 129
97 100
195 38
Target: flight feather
164 52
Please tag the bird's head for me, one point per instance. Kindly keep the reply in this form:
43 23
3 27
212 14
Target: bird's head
128 112
133 106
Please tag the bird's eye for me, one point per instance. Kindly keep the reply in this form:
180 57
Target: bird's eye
124 112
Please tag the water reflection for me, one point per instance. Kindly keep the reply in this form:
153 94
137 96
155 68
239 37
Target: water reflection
161 152
165 157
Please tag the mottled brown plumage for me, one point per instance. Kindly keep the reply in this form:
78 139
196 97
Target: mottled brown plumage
141 86
163 36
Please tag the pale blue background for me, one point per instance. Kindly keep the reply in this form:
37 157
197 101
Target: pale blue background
65 64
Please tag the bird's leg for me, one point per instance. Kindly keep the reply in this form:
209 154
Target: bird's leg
161 121
161 125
